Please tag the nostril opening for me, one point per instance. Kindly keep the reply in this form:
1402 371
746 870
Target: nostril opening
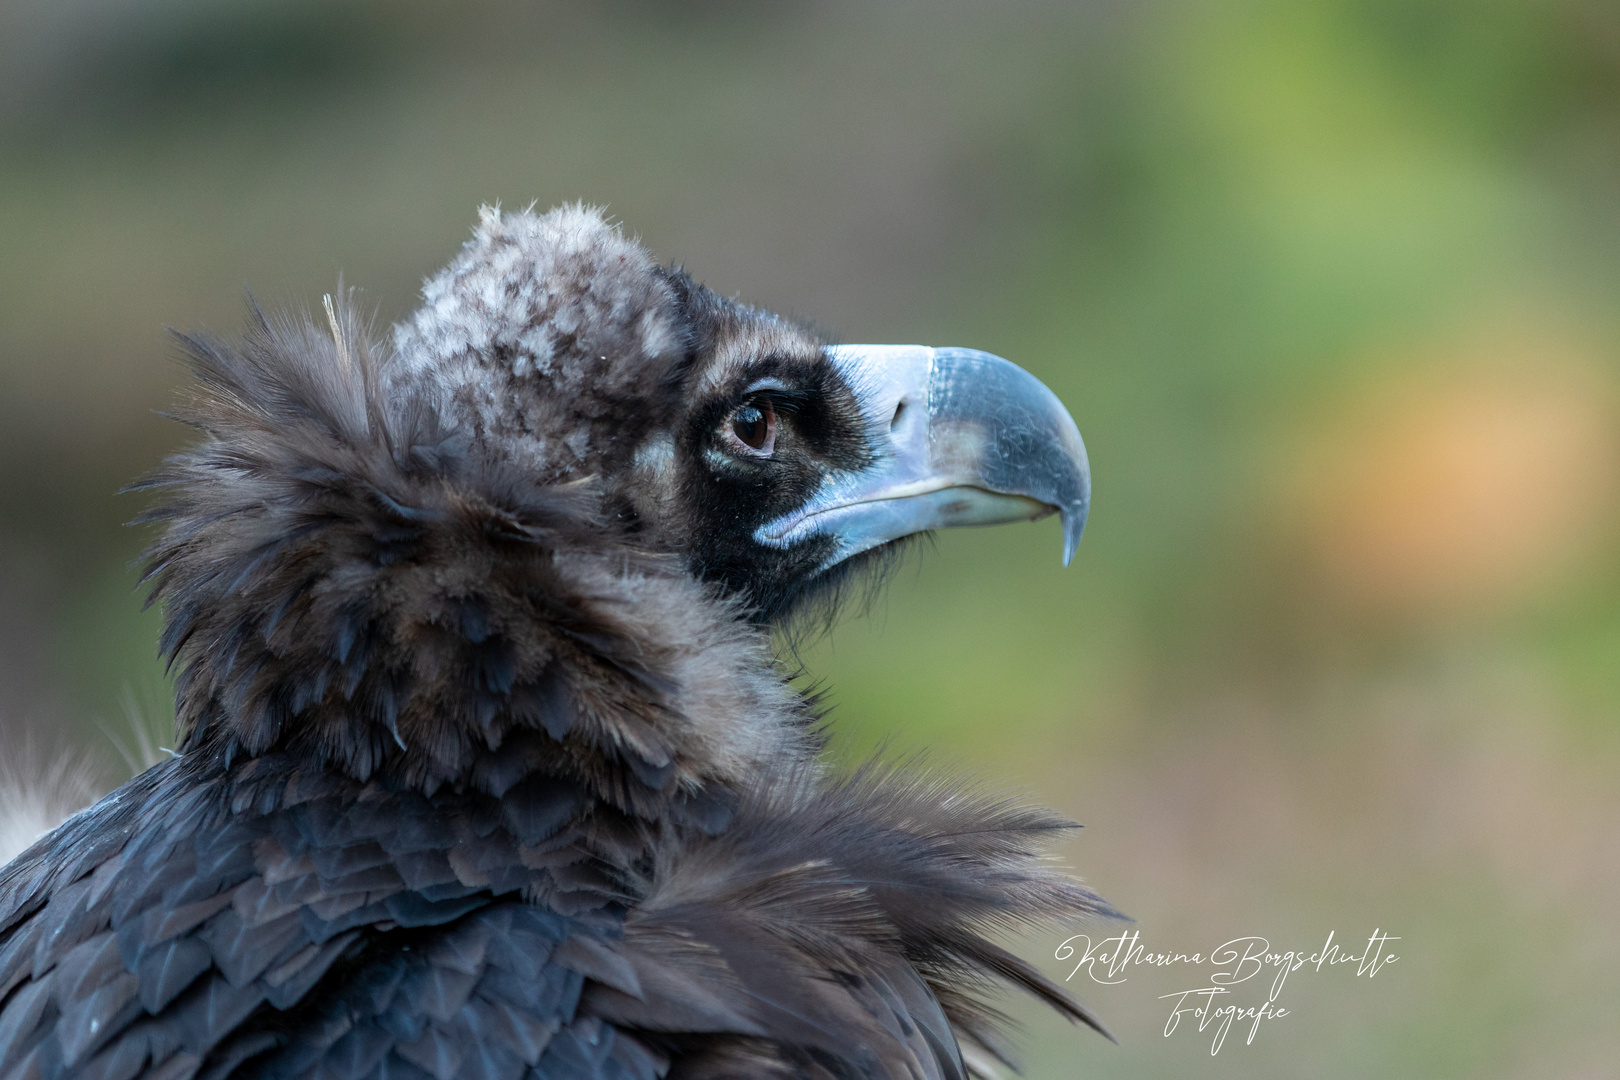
899 411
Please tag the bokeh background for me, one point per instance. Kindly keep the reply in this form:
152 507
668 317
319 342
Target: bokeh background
1331 286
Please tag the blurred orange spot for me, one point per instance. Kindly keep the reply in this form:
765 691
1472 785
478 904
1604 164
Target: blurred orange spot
1463 479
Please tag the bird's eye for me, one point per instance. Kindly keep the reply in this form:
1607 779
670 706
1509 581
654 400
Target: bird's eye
752 429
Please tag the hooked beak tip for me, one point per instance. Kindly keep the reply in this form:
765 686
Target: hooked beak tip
1074 526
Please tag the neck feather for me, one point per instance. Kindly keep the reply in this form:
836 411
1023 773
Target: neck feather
349 576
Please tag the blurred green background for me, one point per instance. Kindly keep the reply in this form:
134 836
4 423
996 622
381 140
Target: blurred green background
1332 288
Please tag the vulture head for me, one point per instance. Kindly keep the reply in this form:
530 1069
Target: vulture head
766 459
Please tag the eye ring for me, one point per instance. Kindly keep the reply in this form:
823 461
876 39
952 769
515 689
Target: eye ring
751 429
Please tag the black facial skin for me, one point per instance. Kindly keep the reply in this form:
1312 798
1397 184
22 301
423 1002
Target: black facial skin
755 365
733 492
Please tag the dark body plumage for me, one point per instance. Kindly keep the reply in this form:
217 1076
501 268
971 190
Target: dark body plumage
486 769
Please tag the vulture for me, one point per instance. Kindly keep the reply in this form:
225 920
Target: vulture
486 767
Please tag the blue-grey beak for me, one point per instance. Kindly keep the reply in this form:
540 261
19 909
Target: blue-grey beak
960 437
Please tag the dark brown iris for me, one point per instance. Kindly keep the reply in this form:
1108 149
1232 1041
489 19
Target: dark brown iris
754 426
